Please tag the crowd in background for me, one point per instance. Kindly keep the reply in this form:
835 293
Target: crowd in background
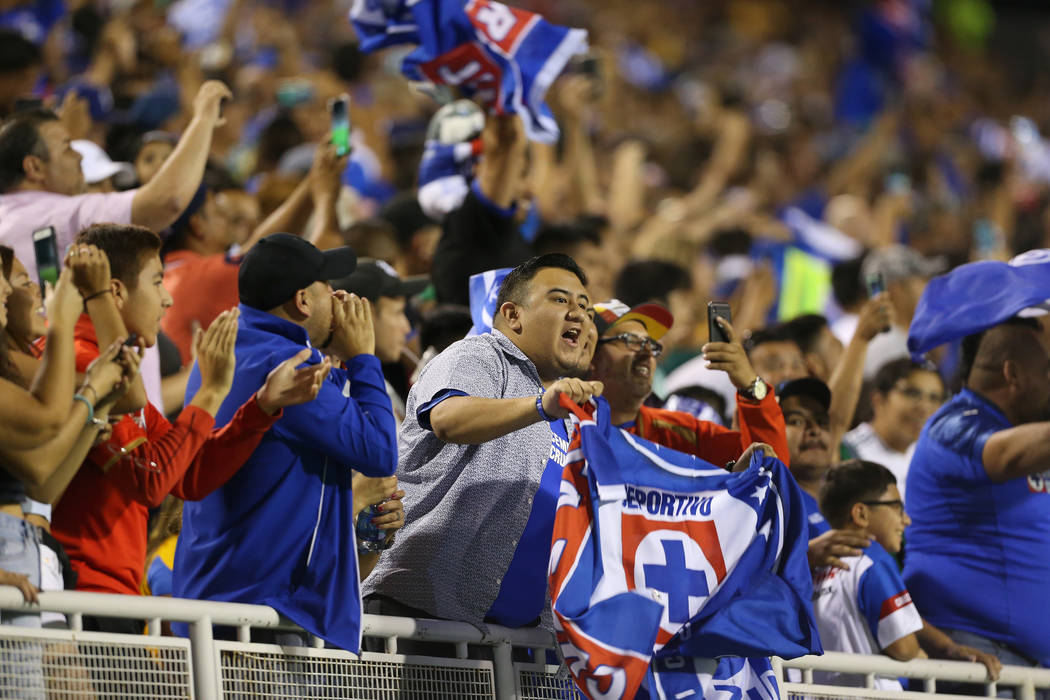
814 164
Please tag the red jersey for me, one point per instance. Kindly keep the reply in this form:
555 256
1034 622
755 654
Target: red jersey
760 421
201 287
101 518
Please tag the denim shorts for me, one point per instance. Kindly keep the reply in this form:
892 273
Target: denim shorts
20 554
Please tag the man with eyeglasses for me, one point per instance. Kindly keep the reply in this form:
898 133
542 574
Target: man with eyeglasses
628 348
905 395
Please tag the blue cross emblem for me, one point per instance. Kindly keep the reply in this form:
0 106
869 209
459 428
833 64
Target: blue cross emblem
677 580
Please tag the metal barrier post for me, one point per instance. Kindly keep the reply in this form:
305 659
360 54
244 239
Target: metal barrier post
503 668
205 674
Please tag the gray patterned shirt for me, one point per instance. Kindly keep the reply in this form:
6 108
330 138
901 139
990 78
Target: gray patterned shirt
465 505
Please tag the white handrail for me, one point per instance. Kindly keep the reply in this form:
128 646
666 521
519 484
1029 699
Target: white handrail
201 615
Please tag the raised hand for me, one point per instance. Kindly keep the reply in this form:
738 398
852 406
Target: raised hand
876 316
90 268
755 448
287 386
215 352
207 103
730 357
352 331
129 359
578 390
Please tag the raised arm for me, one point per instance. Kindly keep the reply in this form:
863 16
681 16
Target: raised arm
501 166
31 418
160 201
847 378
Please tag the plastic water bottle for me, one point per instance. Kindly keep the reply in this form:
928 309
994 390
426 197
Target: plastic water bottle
369 537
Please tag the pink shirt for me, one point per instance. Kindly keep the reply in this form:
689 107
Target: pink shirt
21 213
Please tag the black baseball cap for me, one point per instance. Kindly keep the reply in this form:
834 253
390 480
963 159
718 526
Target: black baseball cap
374 278
806 386
280 265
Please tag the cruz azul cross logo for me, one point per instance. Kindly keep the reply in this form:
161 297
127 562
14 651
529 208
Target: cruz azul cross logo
680 565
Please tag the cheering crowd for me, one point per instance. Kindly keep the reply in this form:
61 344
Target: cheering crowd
262 368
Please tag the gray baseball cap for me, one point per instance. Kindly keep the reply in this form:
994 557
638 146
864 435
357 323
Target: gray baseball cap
899 262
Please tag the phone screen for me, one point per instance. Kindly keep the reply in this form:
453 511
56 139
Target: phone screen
717 309
876 284
45 248
339 110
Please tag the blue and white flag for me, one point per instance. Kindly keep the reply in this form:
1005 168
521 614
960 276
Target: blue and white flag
484 291
503 57
976 296
663 566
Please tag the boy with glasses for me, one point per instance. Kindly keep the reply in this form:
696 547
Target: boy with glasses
867 609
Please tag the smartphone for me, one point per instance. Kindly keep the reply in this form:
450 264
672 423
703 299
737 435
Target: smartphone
877 285
339 111
45 248
133 339
717 309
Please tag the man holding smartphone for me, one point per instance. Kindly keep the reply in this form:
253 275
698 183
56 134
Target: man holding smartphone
625 360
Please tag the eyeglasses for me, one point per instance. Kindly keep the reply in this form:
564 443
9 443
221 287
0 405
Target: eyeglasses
916 395
636 343
898 505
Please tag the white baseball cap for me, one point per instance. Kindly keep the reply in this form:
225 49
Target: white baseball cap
96 164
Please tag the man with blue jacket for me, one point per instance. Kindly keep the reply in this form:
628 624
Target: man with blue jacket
281 531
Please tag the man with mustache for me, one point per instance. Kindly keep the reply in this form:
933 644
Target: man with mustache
625 361
481 452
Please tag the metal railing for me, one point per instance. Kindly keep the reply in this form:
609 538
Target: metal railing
72 663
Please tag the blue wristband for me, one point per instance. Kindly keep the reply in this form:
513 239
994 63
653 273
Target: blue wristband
91 409
539 409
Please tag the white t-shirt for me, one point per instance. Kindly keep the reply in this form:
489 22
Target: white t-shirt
867 445
862 611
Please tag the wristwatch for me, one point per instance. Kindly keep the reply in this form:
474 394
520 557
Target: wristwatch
756 390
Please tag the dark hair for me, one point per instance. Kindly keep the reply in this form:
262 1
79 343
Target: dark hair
127 246
971 343
20 137
893 371
443 325
17 53
8 370
805 330
730 241
846 285
562 238
770 334
650 280
850 483
515 283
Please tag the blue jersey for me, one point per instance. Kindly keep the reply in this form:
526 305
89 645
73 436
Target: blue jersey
818 525
978 556
523 592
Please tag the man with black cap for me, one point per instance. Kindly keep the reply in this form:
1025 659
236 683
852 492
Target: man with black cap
805 403
281 531
380 284
625 360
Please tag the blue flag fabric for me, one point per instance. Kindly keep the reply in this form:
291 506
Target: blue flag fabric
504 57
661 562
484 290
976 296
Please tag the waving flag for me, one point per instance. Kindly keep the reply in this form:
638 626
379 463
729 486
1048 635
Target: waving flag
484 290
976 296
661 562
504 57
